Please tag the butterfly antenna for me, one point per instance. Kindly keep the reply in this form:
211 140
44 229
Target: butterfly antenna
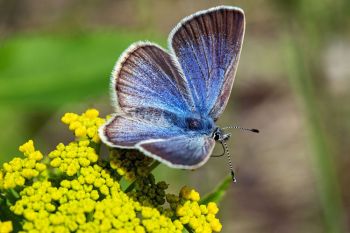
229 161
241 128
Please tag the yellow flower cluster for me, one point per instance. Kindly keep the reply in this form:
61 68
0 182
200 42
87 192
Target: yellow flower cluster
92 203
84 126
200 218
6 227
153 221
75 191
71 158
18 170
129 164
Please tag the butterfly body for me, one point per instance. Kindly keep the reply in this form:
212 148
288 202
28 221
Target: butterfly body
167 103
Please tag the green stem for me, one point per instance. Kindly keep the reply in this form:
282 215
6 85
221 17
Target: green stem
151 168
96 146
218 193
130 187
14 193
188 229
116 176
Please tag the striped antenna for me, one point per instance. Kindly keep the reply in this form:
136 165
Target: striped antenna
241 128
229 161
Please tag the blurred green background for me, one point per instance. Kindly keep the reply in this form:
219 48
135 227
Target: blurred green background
293 83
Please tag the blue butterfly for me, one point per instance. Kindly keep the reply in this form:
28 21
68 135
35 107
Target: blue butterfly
167 102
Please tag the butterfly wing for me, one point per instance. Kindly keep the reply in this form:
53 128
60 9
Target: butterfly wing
185 151
146 77
126 130
151 97
208 45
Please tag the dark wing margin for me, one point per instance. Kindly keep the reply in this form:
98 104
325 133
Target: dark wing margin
207 46
188 152
146 76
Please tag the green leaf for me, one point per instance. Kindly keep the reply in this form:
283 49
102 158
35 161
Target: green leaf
218 193
51 70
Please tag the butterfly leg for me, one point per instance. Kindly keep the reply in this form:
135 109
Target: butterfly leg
223 153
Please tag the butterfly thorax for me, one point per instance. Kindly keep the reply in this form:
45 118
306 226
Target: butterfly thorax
200 124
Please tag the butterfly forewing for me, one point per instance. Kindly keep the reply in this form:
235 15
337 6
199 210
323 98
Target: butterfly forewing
147 77
208 46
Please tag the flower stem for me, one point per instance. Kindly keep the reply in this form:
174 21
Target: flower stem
188 229
96 146
14 193
153 166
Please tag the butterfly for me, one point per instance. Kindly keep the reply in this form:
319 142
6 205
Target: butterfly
167 102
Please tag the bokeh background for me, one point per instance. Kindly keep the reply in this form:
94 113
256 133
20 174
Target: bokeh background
293 83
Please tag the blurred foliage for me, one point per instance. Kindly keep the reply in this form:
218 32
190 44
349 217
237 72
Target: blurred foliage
319 20
48 71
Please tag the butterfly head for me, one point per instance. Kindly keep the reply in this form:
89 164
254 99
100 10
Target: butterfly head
220 135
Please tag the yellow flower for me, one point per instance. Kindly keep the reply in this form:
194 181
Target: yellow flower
85 125
27 148
6 227
71 158
18 170
212 208
189 194
69 117
200 218
216 225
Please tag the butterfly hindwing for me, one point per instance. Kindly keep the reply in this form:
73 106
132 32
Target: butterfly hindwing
126 130
188 151
208 46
